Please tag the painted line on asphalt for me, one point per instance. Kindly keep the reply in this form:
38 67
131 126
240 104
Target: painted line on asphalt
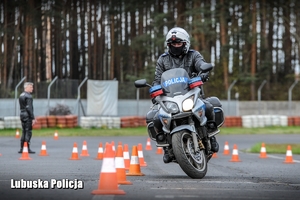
211 197
177 196
225 189
277 157
272 156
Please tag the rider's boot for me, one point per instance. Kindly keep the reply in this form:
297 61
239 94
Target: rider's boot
166 158
214 144
212 130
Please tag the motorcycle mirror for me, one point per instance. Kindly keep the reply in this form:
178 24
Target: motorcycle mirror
140 83
206 67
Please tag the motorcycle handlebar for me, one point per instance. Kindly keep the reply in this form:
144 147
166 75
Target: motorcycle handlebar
204 76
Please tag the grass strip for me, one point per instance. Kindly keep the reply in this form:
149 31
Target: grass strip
275 148
141 131
263 130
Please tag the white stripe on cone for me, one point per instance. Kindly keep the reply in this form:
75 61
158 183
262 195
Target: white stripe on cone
108 165
140 154
134 160
119 162
43 147
126 155
235 152
75 150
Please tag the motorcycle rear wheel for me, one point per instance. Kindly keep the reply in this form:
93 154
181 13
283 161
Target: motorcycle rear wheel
194 164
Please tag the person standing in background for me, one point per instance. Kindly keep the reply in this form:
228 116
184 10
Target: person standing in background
26 115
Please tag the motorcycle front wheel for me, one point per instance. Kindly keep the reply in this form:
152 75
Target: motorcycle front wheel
193 163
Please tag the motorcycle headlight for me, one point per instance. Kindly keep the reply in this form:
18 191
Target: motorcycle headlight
188 104
172 107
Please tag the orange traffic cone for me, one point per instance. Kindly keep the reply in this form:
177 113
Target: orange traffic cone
235 154
108 183
17 134
214 155
25 155
263 152
55 135
84 151
226 149
126 157
141 156
43 149
159 150
74 152
120 167
134 169
289 155
100 152
148 145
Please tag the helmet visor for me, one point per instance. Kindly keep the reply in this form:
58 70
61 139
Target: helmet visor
174 40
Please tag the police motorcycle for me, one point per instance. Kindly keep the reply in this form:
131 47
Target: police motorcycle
178 106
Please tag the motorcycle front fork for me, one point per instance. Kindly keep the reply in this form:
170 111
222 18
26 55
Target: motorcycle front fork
194 134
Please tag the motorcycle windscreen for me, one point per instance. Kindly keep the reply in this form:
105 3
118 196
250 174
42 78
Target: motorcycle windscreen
175 82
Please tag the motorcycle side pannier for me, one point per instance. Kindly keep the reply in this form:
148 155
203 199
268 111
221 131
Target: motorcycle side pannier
219 113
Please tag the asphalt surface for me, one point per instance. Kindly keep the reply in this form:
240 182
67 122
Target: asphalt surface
252 178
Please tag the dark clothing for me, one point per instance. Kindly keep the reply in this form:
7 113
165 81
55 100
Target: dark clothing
209 110
26 131
191 62
26 117
26 106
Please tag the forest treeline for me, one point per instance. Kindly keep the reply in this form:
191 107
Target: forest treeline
250 42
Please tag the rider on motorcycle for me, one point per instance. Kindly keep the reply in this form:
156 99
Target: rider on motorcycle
180 56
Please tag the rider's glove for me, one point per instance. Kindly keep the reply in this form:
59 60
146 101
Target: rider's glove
204 77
